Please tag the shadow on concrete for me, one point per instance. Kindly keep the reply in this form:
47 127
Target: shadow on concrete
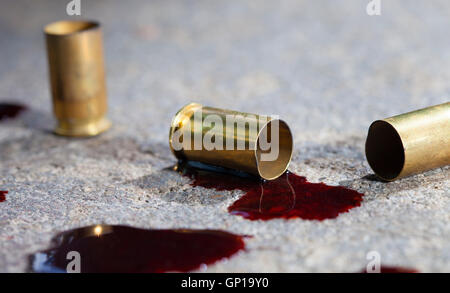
171 186
374 188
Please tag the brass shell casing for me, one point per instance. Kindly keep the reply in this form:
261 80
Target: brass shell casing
247 160
409 143
77 77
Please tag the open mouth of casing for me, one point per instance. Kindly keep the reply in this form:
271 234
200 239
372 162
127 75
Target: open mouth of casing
272 169
66 27
384 150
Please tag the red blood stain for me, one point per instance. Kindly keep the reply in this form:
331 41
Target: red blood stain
125 249
395 270
292 196
3 195
289 196
10 110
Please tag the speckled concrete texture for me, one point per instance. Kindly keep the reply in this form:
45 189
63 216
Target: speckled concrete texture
326 68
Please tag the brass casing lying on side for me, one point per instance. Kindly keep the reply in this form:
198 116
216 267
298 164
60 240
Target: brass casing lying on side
409 143
77 77
248 159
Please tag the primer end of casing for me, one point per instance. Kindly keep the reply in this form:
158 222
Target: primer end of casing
182 117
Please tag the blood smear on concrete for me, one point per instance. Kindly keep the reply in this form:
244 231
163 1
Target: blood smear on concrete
289 196
3 195
10 110
123 249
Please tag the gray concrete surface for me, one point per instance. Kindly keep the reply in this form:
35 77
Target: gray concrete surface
327 68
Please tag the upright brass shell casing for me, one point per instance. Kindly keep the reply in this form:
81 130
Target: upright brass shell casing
248 159
77 77
409 143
